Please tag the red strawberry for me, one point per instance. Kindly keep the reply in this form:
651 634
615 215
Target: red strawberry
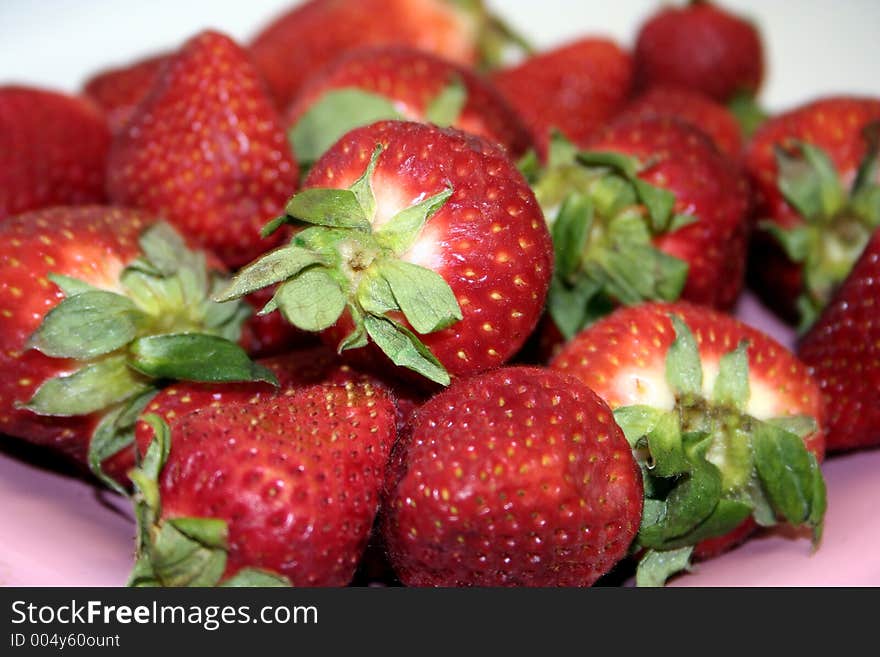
715 120
575 88
283 490
700 46
118 91
843 352
396 82
98 305
816 173
53 150
425 242
517 477
302 41
206 150
651 211
727 423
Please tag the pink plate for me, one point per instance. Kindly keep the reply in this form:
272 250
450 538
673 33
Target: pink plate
58 530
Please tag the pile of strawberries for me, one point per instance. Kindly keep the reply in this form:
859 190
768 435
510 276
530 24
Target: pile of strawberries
361 296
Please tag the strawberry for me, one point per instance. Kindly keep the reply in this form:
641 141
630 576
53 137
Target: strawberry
282 490
843 352
100 305
817 180
118 91
308 37
397 82
53 150
517 477
206 150
575 88
700 46
704 113
651 211
727 424
424 242
270 335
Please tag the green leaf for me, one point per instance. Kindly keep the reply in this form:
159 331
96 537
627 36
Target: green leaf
681 220
637 421
253 578
71 286
165 249
426 300
668 458
794 241
569 305
87 325
362 188
445 109
866 176
157 452
787 472
179 560
274 267
336 208
800 425
195 357
209 532
561 151
624 164
731 388
405 349
613 194
333 115
114 433
272 226
311 301
374 293
747 112
529 166
659 203
809 181
570 233
401 231
92 388
358 336
684 371
727 516
819 502
657 566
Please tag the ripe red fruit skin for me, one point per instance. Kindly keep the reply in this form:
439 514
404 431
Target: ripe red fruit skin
700 46
705 185
309 36
118 91
92 243
297 479
833 124
575 88
701 111
412 78
843 352
489 241
53 150
205 150
517 477
632 343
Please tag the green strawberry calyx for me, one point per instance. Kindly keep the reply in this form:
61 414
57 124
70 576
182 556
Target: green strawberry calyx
179 551
708 465
341 262
160 324
836 223
340 111
497 41
603 220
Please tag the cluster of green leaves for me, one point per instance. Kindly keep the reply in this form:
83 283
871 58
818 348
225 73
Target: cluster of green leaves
180 551
707 466
603 235
837 224
161 325
338 262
